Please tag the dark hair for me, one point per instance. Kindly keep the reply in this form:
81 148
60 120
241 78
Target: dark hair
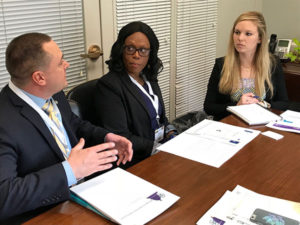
25 55
154 65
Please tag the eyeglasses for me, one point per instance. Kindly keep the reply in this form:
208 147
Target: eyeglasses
130 50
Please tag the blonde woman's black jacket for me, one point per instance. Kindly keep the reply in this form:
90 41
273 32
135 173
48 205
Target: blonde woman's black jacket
215 103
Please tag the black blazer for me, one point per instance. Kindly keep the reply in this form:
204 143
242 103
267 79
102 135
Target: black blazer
31 173
120 108
216 103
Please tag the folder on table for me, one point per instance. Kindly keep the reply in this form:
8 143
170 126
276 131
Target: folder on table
123 197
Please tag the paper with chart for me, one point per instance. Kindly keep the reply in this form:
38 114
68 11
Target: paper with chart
242 206
210 142
290 122
125 198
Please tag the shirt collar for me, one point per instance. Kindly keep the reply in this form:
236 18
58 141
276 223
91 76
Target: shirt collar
37 100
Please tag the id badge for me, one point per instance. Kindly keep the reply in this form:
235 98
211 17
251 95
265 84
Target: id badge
159 134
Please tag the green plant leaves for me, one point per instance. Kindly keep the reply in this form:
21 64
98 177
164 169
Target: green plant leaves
295 54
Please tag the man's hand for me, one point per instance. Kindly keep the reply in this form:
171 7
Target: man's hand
85 162
123 145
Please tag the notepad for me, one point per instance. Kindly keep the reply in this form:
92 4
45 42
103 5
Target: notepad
253 114
123 197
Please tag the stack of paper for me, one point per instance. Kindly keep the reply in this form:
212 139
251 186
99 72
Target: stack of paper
242 206
123 197
210 142
253 114
290 122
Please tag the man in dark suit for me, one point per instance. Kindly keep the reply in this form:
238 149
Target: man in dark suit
39 160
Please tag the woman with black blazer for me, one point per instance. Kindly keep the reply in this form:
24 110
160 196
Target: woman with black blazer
128 99
248 73
216 103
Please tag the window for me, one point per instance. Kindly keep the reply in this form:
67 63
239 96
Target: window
195 52
61 19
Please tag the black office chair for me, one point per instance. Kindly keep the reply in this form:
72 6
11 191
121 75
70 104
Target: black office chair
75 107
83 96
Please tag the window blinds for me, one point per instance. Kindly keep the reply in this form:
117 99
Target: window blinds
61 19
195 52
157 14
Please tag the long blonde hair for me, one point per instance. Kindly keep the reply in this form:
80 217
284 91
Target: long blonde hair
263 61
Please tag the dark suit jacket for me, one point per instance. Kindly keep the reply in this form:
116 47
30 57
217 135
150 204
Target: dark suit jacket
216 103
120 108
31 173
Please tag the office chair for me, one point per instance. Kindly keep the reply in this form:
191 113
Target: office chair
75 107
83 96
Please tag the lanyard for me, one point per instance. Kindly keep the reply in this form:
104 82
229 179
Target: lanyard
44 116
154 101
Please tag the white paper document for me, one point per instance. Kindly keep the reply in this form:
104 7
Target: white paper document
253 114
290 122
243 206
125 198
210 142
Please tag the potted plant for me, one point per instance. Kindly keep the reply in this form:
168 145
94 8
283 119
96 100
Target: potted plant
294 55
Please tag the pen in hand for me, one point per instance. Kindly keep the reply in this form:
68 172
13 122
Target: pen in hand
257 97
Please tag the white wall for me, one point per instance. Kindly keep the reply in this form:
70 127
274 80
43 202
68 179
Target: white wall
282 18
228 11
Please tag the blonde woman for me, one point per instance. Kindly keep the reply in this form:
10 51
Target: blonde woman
248 73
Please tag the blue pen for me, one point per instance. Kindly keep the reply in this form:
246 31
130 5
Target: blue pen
287 121
255 96
248 131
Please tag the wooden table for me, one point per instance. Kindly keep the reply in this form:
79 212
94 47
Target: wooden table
265 165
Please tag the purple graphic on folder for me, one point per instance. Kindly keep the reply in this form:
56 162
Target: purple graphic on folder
156 196
216 221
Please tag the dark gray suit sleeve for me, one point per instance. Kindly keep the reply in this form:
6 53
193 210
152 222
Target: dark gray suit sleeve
21 192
